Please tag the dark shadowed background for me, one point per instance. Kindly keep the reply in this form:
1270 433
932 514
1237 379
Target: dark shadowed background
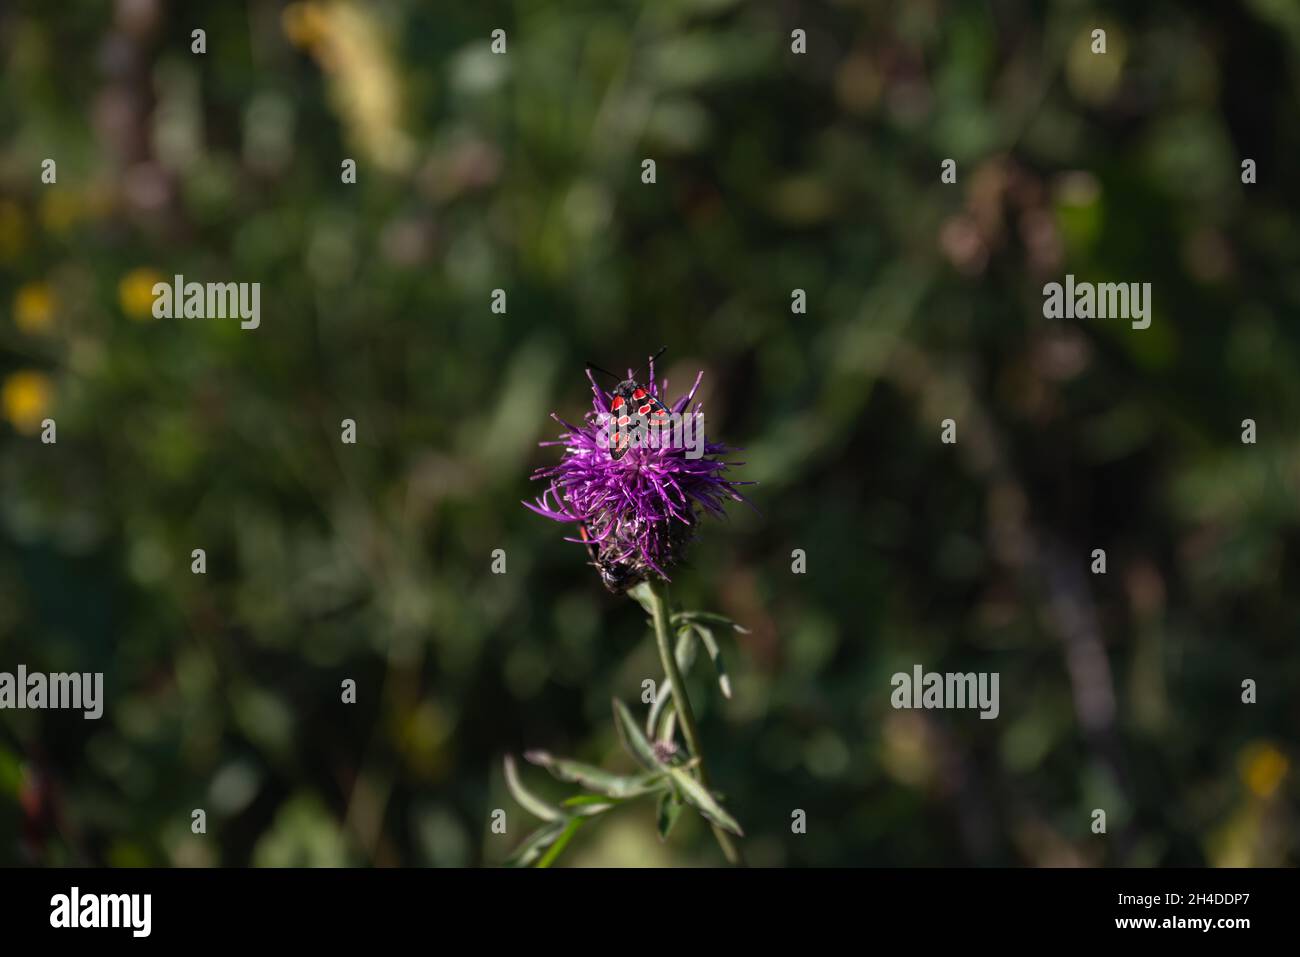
775 171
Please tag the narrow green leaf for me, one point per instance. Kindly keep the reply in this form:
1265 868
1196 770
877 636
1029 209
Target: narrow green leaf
715 654
663 694
580 800
593 778
535 844
685 654
560 842
589 805
634 739
670 809
527 800
644 597
709 618
698 796
685 651
667 723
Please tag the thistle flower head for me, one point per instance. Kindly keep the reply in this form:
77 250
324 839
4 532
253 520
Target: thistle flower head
636 513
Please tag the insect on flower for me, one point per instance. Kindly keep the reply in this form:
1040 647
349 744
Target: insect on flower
636 504
615 576
632 410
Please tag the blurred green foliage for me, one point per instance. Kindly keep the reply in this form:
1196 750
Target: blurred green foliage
775 171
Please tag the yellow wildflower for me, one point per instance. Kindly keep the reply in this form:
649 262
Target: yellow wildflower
33 307
1264 767
25 399
135 292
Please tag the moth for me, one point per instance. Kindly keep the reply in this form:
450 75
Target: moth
632 410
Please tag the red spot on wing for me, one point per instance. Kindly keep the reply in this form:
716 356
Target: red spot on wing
624 419
639 394
616 404
643 410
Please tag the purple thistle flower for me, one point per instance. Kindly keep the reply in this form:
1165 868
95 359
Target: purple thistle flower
637 514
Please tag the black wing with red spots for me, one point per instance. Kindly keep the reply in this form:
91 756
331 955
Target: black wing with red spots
631 416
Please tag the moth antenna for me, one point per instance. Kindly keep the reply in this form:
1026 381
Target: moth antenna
596 368
653 359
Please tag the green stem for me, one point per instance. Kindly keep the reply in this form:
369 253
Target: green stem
549 858
682 703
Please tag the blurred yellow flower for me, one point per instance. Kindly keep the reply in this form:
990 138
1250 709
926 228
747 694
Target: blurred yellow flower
1264 767
25 398
305 24
33 307
135 292
348 42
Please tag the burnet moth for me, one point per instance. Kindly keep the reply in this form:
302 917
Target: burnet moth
632 410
